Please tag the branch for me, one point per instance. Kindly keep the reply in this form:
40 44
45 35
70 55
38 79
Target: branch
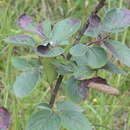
81 33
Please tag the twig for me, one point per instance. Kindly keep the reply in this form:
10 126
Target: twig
81 33
97 41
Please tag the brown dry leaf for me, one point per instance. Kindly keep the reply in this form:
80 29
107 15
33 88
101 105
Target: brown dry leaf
104 88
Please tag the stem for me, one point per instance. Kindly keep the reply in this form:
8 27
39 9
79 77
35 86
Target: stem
81 33
55 91
97 41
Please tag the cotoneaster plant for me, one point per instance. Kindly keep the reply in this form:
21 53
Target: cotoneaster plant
68 65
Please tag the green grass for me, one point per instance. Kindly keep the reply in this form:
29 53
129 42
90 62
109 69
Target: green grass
104 111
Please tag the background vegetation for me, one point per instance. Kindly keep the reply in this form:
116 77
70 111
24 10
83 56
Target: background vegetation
104 111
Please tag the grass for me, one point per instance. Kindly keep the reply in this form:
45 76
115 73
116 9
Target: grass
104 111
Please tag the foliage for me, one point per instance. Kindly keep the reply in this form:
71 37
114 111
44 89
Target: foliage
52 60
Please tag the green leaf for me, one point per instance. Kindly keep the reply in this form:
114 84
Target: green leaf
50 71
113 68
95 57
25 64
68 106
119 50
116 20
75 121
72 119
74 91
78 50
62 68
25 83
20 40
44 120
46 27
80 60
64 30
49 52
81 70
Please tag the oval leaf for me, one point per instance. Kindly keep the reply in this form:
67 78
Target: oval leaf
116 20
64 30
119 50
44 120
78 50
20 40
95 57
25 83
